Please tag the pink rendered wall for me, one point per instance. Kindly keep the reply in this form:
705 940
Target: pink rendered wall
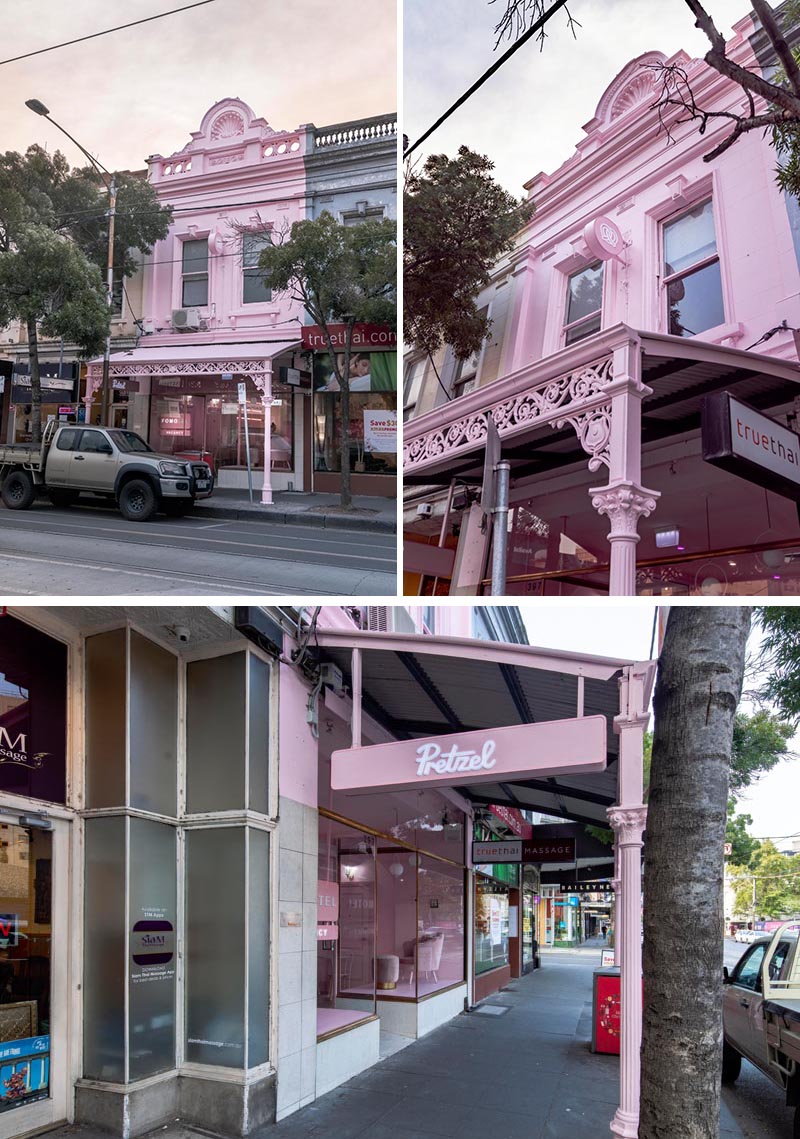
625 168
235 171
297 768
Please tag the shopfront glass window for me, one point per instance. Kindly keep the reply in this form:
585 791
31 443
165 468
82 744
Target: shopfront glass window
33 712
104 950
346 960
440 944
255 289
25 964
215 733
692 272
373 413
210 420
194 266
584 303
491 924
215 946
151 921
153 731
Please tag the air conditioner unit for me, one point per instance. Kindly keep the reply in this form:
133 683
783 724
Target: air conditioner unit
388 619
186 319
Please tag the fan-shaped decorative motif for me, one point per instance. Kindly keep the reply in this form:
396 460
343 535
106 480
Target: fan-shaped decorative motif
639 88
228 125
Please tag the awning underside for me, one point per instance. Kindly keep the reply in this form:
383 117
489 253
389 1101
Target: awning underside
679 384
415 694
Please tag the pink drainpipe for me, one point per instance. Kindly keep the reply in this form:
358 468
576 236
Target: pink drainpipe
628 821
265 386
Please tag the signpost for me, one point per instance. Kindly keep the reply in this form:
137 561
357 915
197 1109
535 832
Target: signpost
243 402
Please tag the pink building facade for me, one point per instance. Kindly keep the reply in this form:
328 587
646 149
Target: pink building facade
216 346
647 280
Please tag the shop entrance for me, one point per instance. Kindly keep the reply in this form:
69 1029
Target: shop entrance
34 956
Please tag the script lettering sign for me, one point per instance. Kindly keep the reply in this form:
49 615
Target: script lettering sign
523 751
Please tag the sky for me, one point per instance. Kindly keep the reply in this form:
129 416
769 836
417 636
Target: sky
528 117
143 90
625 631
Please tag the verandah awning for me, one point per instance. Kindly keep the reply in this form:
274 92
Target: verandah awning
242 358
534 407
433 685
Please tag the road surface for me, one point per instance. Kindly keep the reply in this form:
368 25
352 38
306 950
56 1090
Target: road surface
88 550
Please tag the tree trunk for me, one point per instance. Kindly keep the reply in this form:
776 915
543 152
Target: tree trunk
36 383
698 688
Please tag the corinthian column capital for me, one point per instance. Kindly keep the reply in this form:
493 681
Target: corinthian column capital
628 824
624 503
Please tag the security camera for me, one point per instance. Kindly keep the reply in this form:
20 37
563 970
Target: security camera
182 633
424 510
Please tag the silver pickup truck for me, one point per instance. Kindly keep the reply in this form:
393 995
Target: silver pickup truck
761 1013
105 461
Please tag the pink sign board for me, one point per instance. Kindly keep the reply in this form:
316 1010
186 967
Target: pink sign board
327 911
553 747
513 819
604 239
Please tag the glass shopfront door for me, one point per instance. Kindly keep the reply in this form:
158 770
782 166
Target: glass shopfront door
34 1075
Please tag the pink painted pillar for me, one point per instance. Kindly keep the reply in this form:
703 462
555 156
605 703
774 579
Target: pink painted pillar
93 381
266 399
628 821
624 500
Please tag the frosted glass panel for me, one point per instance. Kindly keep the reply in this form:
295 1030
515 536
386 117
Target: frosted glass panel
154 726
105 719
215 946
215 744
259 735
258 942
104 951
151 961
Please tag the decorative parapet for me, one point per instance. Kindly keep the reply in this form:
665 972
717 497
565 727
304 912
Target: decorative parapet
576 398
253 369
360 130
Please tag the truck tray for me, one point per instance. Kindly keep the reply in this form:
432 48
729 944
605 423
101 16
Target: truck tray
783 1034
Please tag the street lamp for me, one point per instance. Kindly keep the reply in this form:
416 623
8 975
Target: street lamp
110 181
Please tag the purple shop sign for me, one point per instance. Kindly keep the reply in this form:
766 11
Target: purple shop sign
33 712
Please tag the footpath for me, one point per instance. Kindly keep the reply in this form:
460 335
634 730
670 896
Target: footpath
519 1066
297 508
526 1072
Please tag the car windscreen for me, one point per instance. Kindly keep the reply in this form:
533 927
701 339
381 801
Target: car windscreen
129 441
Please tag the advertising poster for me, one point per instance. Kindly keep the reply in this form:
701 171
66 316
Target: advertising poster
495 921
369 372
380 432
24 1071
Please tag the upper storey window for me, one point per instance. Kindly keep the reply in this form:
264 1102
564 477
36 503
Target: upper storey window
692 273
255 289
194 270
584 303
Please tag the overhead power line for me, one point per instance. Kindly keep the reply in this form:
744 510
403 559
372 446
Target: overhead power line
107 32
498 63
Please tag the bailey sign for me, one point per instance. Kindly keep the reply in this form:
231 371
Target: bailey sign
547 748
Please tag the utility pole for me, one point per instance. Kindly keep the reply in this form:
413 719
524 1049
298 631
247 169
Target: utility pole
105 407
754 902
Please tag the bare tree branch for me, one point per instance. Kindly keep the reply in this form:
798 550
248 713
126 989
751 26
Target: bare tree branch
782 49
519 14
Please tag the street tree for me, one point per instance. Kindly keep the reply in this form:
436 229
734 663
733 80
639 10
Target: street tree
697 691
340 275
48 284
457 221
743 846
39 189
760 741
780 659
769 886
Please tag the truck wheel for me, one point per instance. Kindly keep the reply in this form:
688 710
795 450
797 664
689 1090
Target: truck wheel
18 491
732 1066
137 501
176 507
63 497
